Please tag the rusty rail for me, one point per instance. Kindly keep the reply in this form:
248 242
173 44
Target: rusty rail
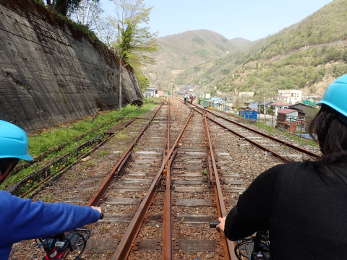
260 133
121 162
43 177
124 247
228 245
167 224
247 139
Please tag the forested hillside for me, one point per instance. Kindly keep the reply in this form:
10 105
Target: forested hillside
185 50
306 55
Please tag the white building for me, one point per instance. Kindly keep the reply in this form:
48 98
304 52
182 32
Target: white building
151 92
290 96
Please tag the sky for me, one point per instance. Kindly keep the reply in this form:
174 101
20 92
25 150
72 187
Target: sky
249 19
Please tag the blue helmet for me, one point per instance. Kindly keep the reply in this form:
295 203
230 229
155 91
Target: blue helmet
336 95
13 142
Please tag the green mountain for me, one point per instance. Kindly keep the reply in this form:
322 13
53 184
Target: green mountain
180 52
307 56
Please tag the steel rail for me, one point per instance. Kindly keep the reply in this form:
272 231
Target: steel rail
228 245
48 179
42 156
121 162
260 133
247 139
124 247
167 222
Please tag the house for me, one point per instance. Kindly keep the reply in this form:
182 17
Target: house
150 92
287 119
252 105
217 100
309 102
290 96
287 115
275 106
266 108
306 113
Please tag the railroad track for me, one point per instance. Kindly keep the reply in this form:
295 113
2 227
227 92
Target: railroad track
123 198
81 182
281 149
43 156
183 170
47 174
175 221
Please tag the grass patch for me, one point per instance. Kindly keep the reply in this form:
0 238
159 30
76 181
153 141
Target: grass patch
102 154
297 139
152 100
47 197
122 135
57 136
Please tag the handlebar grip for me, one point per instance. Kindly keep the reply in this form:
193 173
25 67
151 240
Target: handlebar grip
214 224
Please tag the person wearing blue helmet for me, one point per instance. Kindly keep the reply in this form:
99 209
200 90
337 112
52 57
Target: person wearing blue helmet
22 219
303 205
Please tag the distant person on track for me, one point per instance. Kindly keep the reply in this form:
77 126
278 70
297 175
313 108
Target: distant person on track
22 219
302 204
191 99
186 98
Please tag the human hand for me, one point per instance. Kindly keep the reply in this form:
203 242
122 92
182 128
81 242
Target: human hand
221 225
97 209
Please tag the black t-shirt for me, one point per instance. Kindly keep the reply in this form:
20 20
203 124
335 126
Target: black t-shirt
304 209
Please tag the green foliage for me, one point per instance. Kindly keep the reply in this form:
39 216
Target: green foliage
326 25
298 70
135 40
274 131
300 56
142 79
125 44
55 137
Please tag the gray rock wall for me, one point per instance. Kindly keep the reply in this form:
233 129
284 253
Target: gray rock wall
49 76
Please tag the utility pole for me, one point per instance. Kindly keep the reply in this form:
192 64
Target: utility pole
264 111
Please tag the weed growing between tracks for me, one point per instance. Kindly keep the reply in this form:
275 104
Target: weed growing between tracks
44 141
55 137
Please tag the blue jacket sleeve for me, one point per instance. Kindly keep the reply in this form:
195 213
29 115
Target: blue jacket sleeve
22 219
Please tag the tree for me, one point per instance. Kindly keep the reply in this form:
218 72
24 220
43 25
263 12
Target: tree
134 38
105 30
64 7
88 13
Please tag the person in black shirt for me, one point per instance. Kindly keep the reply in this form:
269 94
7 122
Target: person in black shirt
302 204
